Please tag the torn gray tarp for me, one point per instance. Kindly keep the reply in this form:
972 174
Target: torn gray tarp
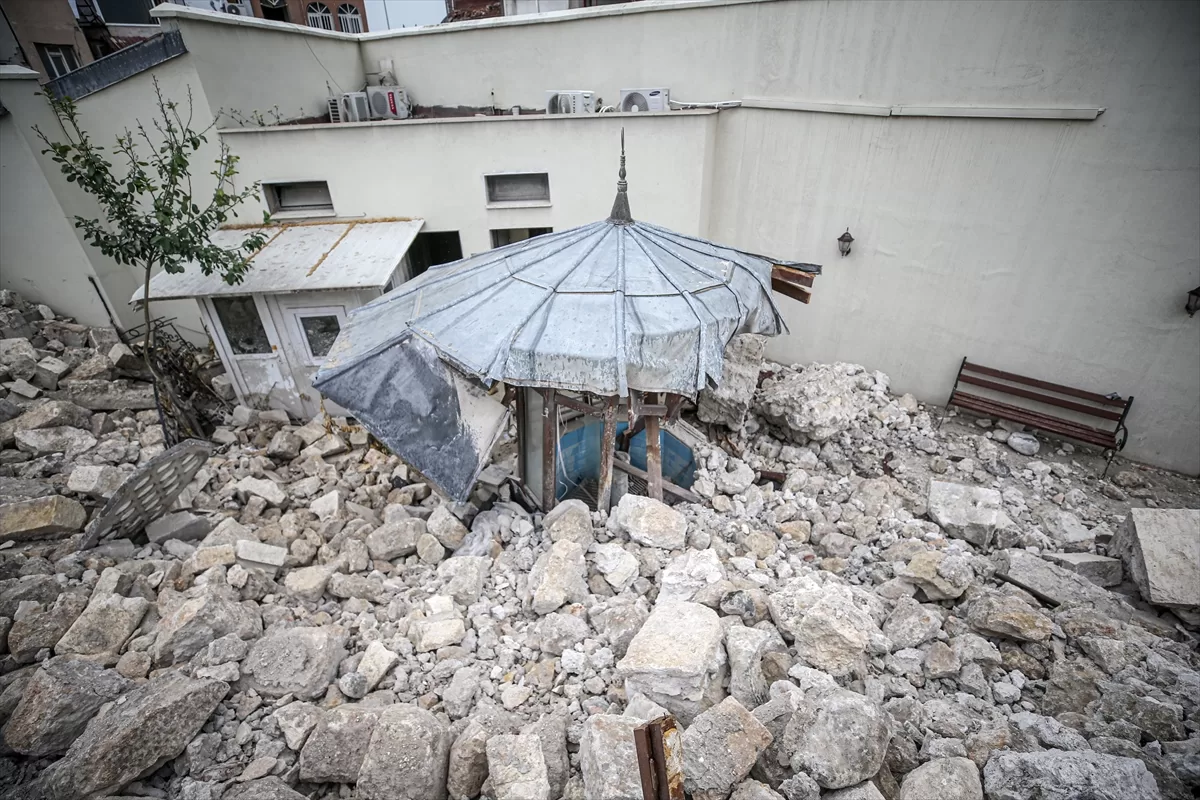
440 422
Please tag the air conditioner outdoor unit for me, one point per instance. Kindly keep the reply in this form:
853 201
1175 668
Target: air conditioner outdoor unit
238 10
658 99
388 102
355 107
570 101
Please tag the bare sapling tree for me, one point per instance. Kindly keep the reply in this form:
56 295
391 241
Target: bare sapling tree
151 216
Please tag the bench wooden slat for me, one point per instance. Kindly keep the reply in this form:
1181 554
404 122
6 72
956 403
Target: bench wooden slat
1083 433
1103 413
1053 387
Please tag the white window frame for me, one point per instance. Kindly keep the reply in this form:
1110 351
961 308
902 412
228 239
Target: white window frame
52 54
319 16
298 314
349 18
489 187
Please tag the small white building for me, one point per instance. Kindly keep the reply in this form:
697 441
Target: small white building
273 330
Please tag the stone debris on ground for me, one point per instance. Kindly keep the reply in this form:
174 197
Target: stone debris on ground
869 603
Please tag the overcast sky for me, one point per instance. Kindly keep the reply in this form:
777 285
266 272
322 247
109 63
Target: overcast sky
384 14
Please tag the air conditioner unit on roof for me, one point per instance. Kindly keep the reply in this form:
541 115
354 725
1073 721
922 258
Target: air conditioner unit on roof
570 101
656 99
388 102
354 107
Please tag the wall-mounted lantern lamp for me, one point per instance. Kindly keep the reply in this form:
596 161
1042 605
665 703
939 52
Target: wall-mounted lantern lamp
844 241
1193 301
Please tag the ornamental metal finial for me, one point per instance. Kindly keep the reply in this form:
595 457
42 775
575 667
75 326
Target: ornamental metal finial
620 210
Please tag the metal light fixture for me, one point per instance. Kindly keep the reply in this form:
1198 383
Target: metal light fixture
844 242
1193 301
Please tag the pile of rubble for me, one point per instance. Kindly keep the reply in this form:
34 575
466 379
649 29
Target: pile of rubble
909 613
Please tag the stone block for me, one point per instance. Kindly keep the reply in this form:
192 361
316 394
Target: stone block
1100 570
257 554
49 371
40 517
972 513
96 482
677 659
650 522
407 757
608 759
108 395
297 661
1161 548
182 525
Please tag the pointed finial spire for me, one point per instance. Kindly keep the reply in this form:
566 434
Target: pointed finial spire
620 210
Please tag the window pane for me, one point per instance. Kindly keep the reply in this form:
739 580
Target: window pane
320 332
243 327
532 187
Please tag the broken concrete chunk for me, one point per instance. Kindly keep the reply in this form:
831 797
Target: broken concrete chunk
720 747
40 517
1161 547
296 661
152 725
948 778
1100 570
570 519
36 627
677 659
192 619
406 758
558 577
71 442
838 737
182 525
972 513
608 759
730 401
108 395
1008 615
1055 773
260 487
337 745
650 522
104 626
517 768
49 371
59 701
96 482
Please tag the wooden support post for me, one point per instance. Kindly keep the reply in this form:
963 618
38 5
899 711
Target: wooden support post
608 443
654 456
549 449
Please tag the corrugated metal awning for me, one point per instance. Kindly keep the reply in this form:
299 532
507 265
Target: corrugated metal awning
302 257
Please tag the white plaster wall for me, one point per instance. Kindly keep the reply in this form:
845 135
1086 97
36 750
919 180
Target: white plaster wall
105 115
249 66
435 169
39 254
1062 250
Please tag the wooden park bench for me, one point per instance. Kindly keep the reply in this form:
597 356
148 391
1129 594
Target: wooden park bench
1089 416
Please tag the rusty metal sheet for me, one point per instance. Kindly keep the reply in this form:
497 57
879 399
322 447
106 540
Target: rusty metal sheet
659 748
149 493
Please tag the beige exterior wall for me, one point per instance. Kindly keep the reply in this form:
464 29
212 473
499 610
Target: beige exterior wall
39 254
252 65
435 169
105 115
1062 249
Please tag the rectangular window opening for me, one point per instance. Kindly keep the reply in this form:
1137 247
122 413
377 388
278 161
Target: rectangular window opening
242 325
527 188
503 236
298 199
58 59
320 332
431 248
